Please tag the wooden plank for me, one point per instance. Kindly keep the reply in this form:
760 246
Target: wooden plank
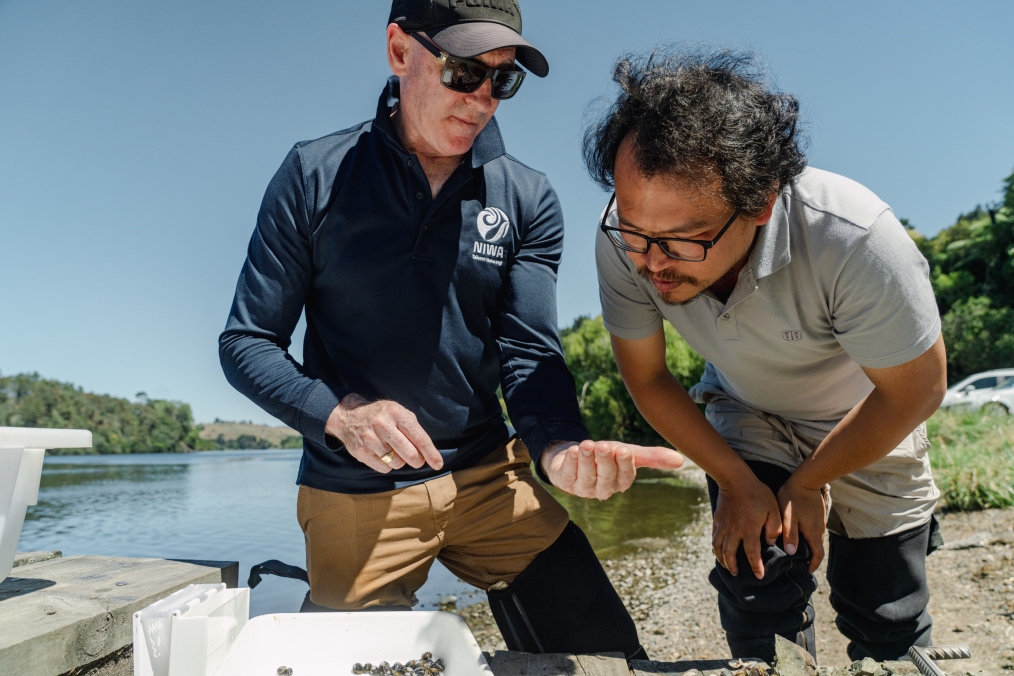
510 663
25 558
67 613
707 667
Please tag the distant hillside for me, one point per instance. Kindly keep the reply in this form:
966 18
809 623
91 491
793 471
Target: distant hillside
249 436
117 425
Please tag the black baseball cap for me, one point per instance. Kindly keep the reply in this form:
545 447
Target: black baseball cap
467 28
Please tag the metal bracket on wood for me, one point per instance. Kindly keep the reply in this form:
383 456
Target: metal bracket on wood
924 658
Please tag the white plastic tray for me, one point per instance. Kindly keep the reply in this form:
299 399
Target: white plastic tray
22 452
328 644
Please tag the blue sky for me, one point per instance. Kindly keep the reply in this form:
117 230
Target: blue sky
137 137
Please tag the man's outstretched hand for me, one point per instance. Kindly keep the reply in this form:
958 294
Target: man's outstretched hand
598 469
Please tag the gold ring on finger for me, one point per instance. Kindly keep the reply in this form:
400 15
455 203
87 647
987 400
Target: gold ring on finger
389 458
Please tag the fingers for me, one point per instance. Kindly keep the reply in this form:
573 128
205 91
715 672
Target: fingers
403 448
753 555
790 530
656 457
717 543
413 431
817 547
586 474
626 470
729 548
373 461
773 526
606 473
566 476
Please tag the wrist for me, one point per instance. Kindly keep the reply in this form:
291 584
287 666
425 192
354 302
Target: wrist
336 421
738 475
799 479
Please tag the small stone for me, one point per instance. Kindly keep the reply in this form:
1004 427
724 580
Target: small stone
866 667
449 600
428 655
792 660
281 671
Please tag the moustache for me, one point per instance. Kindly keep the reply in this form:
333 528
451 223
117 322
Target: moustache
670 276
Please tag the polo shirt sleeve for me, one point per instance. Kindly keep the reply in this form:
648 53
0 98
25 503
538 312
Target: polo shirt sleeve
537 387
882 306
269 300
627 312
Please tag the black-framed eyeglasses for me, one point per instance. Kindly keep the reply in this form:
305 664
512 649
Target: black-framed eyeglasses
467 75
691 250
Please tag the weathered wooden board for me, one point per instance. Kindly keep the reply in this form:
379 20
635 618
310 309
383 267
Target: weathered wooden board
707 667
25 558
504 663
66 613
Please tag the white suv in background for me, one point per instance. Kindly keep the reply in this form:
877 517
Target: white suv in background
992 390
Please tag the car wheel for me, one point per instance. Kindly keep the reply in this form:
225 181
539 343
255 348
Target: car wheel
995 408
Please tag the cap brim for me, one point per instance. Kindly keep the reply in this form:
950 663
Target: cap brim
468 40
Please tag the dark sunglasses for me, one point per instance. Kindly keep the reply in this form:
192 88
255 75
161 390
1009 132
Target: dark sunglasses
467 75
692 250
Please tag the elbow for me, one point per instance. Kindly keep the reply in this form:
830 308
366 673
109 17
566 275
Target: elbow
935 396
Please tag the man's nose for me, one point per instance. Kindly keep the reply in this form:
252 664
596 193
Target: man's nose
482 98
656 260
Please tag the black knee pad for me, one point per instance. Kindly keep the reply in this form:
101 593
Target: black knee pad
763 647
882 619
563 602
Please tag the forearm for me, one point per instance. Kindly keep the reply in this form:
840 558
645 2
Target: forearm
668 408
272 379
903 397
868 433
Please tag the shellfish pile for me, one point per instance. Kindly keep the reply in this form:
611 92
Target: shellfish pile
424 666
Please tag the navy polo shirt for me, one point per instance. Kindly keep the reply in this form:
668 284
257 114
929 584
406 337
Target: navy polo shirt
429 302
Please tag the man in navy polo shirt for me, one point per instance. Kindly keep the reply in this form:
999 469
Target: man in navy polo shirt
425 258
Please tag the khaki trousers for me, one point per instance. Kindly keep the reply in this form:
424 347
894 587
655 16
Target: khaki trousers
893 495
485 524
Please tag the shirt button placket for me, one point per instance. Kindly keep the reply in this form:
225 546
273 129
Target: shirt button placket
728 329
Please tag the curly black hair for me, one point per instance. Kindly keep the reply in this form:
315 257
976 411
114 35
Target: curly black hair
693 113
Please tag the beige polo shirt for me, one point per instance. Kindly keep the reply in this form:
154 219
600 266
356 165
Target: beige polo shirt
833 283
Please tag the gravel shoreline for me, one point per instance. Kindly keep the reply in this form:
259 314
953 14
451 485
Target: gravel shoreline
664 585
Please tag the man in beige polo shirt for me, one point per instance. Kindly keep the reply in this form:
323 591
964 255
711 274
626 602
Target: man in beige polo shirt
815 313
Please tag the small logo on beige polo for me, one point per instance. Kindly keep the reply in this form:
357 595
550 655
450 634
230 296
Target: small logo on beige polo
792 335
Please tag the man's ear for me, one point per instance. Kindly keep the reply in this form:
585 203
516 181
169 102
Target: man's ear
398 42
765 216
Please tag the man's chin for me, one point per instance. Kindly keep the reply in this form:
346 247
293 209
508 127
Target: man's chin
679 298
677 292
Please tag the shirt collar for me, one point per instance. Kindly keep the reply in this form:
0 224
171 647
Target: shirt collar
771 253
488 144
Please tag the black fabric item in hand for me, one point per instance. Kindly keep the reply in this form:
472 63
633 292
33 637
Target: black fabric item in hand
274 567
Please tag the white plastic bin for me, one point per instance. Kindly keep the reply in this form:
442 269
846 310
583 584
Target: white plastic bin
22 451
189 632
328 644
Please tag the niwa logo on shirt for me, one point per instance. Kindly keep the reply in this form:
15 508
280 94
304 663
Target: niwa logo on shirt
493 226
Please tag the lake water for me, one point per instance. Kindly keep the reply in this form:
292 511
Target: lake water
241 506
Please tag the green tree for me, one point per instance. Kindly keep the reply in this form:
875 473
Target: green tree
117 425
972 265
605 404
979 337
975 256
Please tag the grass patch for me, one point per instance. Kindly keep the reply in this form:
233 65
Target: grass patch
973 459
